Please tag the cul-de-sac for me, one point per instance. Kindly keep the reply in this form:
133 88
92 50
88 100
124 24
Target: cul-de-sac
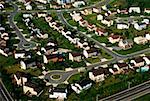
74 50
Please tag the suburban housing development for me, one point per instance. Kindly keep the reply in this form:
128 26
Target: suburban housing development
74 50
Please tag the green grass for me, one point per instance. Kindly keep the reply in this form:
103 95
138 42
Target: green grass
135 48
62 41
143 98
74 78
73 23
94 59
101 39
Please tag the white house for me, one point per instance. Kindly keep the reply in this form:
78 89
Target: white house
78 3
100 32
122 26
125 44
134 9
63 2
75 57
107 22
140 26
83 85
145 21
90 53
140 40
147 36
28 7
114 38
20 78
119 66
100 17
138 62
114 71
19 54
76 16
147 10
1 6
98 74
58 93
147 59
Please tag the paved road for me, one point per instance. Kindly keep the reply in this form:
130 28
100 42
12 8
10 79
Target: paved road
23 44
98 4
112 53
4 94
128 94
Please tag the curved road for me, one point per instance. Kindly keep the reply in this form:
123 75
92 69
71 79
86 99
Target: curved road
66 75
23 44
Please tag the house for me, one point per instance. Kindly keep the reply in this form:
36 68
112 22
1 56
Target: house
58 93
90 53
122 26
140 40
107 22
75 57
63 2
98 74
48 49
147 36
100 32
83 85
76 16
114 71
20 78
1 6
137 62
145 21
147 59
125 44
28 7
83 23
134 9
30 89
86 11
82 43
147 10
96 10
21 54
78 3
30 63
100 17
120 66
54 58
91 27
140 26
114 38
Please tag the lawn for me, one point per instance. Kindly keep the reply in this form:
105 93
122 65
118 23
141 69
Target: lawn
74 78
101 39
143 98
105 55
54 35
94 59
135 48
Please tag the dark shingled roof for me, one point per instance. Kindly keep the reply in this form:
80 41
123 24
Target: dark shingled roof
100 71
84 83
138 60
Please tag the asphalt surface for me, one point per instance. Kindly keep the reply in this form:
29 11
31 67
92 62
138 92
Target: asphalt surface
129 93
